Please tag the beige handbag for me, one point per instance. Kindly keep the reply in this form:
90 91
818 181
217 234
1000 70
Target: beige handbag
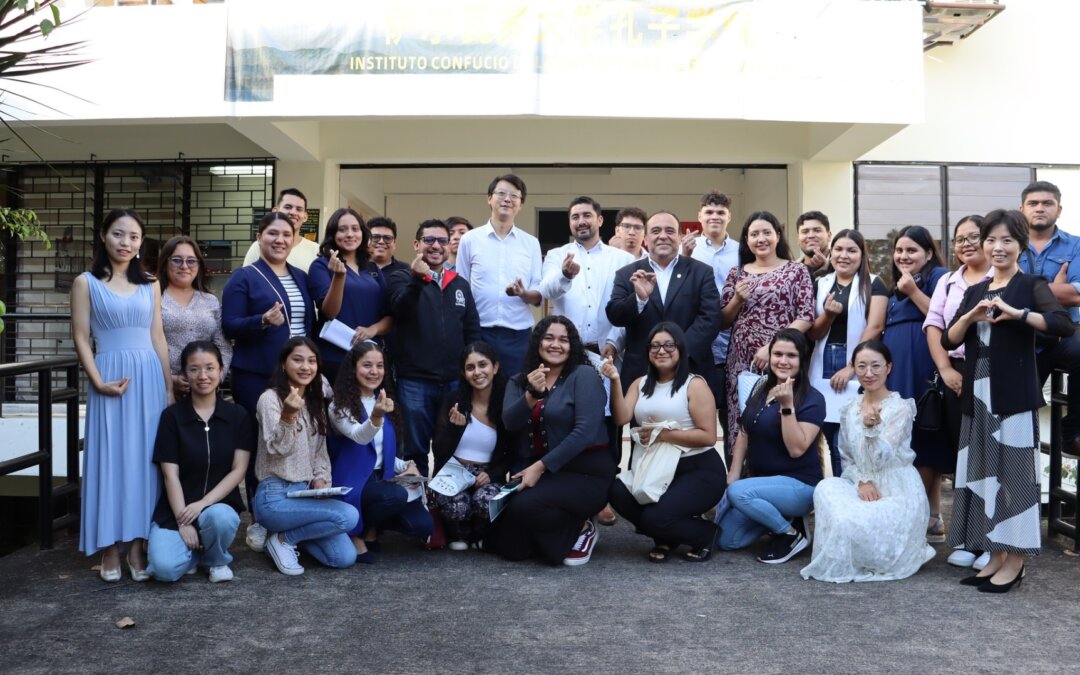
652 463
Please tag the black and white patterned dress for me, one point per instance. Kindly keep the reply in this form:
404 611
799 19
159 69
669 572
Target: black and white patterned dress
996 507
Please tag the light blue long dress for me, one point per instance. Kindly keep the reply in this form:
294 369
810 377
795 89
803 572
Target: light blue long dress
120 483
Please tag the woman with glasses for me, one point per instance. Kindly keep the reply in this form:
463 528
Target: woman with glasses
917 267
670 393
777 440
868 523
974 267
202 448
189 312
347 286
562 463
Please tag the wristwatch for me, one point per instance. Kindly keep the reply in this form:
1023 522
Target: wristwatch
787 411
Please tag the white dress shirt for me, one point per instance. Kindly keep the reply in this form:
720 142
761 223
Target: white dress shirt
584 298
490 264
663 279
722 259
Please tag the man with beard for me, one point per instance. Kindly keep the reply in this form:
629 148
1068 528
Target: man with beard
1055 255
382 244
293 204
434 318
814 235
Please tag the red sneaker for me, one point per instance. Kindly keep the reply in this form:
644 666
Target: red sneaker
583 547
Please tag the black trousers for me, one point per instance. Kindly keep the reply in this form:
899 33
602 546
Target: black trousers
1065 354
698 485
545 520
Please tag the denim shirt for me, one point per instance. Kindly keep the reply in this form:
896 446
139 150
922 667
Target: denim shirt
1062 248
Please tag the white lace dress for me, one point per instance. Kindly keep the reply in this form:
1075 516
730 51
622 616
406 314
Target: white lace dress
856 540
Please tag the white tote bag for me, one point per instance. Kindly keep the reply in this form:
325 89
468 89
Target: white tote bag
652 464
747 380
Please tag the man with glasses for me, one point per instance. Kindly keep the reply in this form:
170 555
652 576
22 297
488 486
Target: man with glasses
434 318
293 204
502 264
630 232
1055 255
665 287
382 244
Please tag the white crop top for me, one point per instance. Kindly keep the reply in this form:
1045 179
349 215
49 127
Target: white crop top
477 443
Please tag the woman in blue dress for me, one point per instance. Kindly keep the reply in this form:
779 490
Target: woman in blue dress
917 267
116 327
347 286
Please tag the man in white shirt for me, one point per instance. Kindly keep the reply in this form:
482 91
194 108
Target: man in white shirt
502 264
578 276
718 250
630 232
293 204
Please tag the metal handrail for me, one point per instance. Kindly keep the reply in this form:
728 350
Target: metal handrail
1059 496
47 494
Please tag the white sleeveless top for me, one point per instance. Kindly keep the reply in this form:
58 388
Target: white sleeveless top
662 406
477 443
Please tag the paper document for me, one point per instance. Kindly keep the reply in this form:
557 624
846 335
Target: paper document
321 492
452 479
338 334
498 502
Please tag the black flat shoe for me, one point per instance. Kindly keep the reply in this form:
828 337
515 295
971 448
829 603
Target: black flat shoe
975 580
990 587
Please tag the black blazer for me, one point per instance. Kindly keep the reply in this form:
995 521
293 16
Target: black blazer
692 302
445 439
1014 379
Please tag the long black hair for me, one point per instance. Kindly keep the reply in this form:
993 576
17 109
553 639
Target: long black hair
682 368
802 379
746 256
498 383
314 401
329 242
577 356
865 286
921 236
199 282
347 389
102 266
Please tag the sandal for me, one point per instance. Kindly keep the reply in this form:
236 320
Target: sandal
660 554
936 533
702 554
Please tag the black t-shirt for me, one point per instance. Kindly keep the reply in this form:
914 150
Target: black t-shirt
765 451
842 294
203 451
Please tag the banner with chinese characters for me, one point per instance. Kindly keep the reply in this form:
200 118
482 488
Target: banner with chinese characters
622 58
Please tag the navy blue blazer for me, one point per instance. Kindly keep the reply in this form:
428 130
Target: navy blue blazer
246 297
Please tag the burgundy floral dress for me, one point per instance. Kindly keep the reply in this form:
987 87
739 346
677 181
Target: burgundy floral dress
779 297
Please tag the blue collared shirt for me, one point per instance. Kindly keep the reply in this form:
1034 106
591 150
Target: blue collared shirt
721 259
1062 248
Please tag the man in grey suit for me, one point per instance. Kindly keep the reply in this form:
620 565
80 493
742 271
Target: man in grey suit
666 287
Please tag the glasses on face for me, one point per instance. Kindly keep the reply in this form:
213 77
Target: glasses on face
972 239
503 195
431 241
864 368
387 238
633 227
668 347
177 261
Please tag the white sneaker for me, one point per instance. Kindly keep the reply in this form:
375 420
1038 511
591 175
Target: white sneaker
982 561
220 573
256 537
458 546
961 558
284 556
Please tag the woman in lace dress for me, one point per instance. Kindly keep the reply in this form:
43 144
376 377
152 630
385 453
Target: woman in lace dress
766 292
189 312
870 522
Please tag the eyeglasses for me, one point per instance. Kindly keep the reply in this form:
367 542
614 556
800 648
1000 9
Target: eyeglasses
375 238
668 347
177 261
972 239
864 368
431 241
633 227
503 195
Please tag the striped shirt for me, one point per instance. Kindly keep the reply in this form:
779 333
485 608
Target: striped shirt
297 312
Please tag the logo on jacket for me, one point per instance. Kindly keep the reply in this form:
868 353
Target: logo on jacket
459 298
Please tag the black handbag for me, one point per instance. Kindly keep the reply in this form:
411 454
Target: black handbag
930 410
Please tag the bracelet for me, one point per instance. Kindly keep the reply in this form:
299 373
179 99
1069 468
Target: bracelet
1024 317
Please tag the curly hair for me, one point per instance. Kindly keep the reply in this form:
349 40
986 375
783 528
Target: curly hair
577 355
347 388
313 397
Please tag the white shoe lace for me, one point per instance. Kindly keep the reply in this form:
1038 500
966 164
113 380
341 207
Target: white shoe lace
579 545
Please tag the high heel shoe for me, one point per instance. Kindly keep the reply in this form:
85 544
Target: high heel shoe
136 574
990 587
110 576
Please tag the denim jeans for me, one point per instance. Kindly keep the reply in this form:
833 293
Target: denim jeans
420 401
760 505
386 506
169 557
318 526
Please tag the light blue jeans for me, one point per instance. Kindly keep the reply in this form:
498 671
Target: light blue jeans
168 557
760 505
319 526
